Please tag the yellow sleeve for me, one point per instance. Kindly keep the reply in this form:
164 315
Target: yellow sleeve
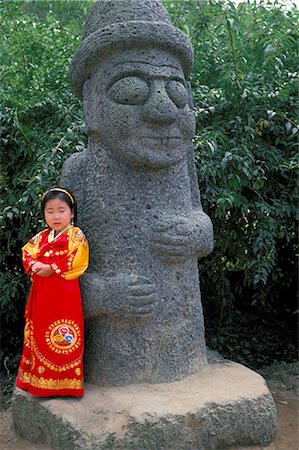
30 251
78 254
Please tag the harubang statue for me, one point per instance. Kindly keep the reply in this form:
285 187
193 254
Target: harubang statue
138 197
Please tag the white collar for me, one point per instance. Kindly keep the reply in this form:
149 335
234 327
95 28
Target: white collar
52 236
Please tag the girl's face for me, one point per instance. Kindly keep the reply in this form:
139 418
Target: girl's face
58 214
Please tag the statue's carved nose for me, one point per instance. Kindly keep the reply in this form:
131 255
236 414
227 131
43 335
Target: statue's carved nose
159 108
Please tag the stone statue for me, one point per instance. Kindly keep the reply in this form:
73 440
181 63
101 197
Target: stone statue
138 198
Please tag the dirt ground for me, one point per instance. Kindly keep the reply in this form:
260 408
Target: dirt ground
282 380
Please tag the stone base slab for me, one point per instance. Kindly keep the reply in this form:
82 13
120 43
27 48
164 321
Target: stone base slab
224 406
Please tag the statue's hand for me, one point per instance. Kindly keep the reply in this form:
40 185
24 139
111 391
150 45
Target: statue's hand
124 297
172 240
177 238
140 299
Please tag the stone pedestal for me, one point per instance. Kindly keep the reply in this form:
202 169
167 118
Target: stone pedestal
224 406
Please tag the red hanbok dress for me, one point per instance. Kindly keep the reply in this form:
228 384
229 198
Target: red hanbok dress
52 358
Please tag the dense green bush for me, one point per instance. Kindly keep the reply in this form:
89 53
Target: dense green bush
244 86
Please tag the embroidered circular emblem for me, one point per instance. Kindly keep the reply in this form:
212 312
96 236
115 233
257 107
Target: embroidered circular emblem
63 336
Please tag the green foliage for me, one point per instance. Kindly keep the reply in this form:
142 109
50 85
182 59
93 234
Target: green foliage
245 90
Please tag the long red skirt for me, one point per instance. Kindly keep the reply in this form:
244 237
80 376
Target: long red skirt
52 358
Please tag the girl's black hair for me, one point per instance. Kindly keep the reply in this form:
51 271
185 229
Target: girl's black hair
57 192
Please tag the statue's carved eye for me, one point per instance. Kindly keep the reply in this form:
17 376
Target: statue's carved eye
130 91
178 93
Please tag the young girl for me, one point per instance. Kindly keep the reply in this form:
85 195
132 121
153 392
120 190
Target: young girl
52 359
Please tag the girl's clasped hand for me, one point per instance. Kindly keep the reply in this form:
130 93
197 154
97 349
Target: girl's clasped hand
41 269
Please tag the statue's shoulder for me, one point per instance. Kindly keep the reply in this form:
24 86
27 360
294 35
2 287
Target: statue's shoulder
73 168
77 161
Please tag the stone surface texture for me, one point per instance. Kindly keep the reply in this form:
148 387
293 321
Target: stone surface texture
224 406
138 197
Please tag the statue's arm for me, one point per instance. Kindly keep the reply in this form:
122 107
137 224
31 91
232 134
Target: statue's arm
95 292
72 174
202 222
125 297
178 237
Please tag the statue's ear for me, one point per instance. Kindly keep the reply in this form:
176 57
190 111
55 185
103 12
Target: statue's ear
90 110
190 97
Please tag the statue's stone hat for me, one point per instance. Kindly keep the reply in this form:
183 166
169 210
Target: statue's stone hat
119 24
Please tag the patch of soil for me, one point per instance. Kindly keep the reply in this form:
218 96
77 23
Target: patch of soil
282 379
